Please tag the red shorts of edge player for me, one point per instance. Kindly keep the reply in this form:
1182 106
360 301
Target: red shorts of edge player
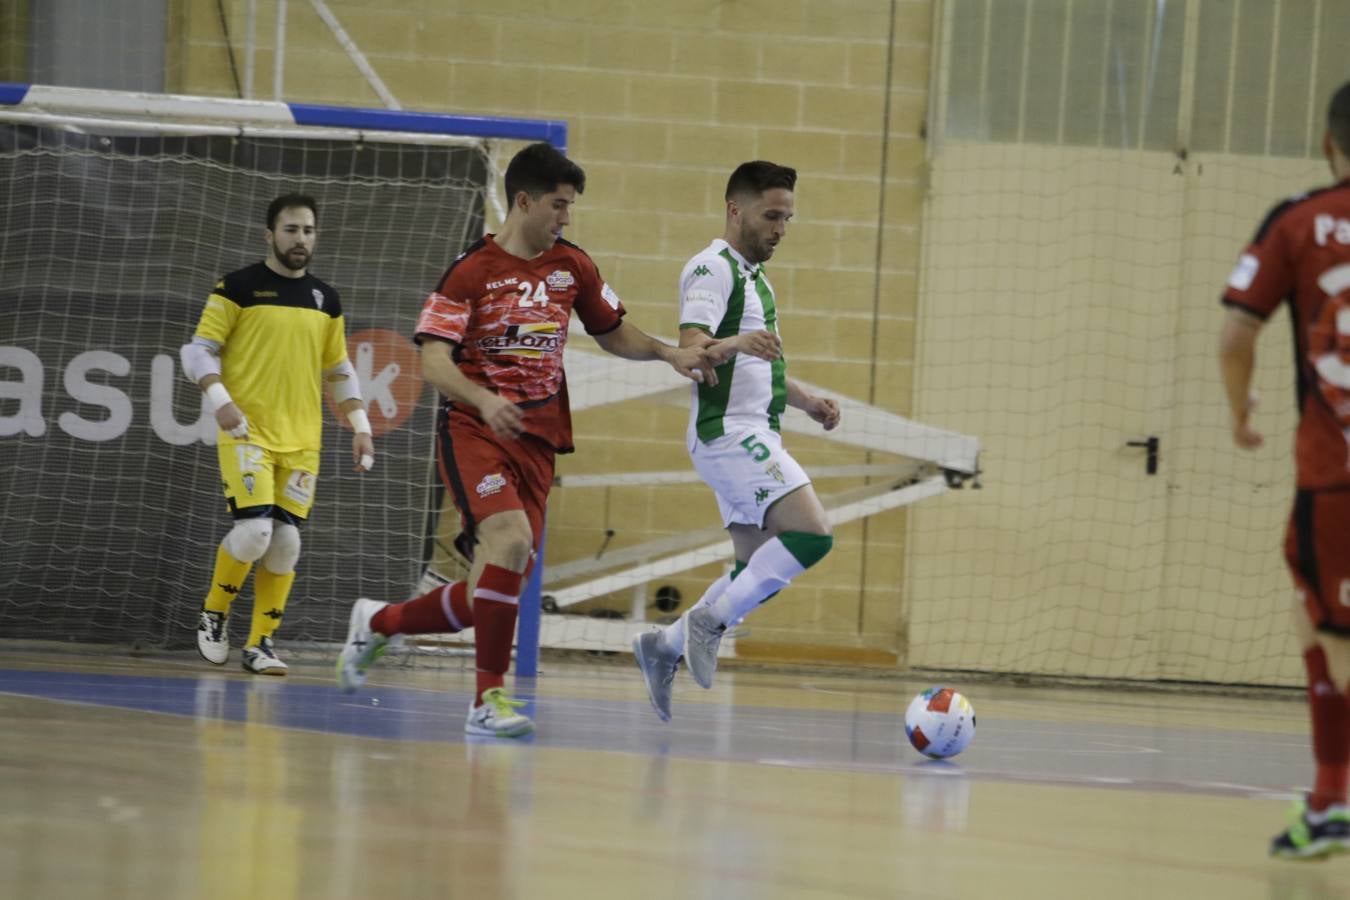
487 475
1317 548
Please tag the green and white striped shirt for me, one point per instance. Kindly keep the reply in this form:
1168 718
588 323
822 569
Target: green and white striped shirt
725 295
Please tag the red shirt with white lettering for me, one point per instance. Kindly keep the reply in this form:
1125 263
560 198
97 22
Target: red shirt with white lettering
508 318
1301 254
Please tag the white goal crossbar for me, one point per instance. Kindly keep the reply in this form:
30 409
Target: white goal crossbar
181 114
595 380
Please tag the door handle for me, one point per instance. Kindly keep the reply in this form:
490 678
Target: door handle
1150 444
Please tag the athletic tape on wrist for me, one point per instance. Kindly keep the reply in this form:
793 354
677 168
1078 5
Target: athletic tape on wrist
218 396
360 421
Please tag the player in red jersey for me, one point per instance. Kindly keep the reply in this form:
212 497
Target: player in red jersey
492 336
1301 255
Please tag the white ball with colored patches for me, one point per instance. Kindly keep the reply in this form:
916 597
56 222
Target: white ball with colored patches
940 723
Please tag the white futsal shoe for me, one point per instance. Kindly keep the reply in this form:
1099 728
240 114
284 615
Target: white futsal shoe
213 638
364 647
702 636
497 717
262 659
658 666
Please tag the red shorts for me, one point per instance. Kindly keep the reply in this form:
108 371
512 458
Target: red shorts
1317 548
487 475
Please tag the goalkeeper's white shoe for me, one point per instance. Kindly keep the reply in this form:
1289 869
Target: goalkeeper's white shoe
497 717
213 637
364 646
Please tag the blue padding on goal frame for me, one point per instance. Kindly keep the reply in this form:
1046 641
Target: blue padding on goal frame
531 609
12 94
551 130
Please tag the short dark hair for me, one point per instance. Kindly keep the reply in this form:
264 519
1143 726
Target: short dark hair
758 176
1338 118
539 168
290 201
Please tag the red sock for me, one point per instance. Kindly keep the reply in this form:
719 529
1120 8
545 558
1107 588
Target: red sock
443 611
495 604
1330 733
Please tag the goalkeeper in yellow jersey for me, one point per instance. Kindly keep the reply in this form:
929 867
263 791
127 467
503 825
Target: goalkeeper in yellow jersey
270 335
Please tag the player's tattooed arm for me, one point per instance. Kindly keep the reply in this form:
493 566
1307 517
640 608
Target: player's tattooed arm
630 342
762 344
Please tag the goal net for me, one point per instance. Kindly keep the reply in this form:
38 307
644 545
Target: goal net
115 227
1096 170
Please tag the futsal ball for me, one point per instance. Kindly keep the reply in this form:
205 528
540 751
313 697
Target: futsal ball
940 722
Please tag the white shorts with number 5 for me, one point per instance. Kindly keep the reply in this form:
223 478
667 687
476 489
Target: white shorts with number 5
748 471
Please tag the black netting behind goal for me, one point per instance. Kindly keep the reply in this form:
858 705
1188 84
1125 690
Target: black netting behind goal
110 504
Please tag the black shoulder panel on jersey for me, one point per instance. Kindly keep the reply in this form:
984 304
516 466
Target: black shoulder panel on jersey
1285 206
1271 217
258 285
465 254
238 285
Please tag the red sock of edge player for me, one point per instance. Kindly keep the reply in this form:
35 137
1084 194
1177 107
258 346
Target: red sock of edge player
496 600
1330 733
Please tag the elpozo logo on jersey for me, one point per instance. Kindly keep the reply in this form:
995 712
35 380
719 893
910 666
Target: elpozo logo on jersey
560 280
532 340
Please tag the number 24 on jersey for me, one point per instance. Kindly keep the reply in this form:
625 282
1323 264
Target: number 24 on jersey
527 288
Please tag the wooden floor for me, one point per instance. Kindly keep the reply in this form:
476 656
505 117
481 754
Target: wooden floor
167 778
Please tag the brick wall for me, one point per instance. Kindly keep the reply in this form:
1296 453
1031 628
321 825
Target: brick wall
13 40
662 101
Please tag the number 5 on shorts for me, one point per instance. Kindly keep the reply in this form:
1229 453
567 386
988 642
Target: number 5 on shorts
758 452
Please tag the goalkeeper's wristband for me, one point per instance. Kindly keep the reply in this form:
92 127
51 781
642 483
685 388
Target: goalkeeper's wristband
218 396
360 421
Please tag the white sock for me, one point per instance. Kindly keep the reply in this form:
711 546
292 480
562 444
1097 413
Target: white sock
1320 818
672 637
770 569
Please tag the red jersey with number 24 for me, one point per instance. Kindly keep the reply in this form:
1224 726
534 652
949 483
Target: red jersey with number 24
1302 254
508 318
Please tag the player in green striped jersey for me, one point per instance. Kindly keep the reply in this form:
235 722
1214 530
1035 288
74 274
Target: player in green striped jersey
778 526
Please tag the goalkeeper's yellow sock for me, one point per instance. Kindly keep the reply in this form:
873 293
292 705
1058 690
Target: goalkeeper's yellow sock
226 581
270 591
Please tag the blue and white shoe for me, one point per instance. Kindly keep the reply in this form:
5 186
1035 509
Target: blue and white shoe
262 659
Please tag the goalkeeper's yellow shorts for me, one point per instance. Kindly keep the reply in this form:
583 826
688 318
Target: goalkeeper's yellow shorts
254 477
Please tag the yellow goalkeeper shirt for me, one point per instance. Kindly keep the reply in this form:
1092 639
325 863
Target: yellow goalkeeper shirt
278 335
